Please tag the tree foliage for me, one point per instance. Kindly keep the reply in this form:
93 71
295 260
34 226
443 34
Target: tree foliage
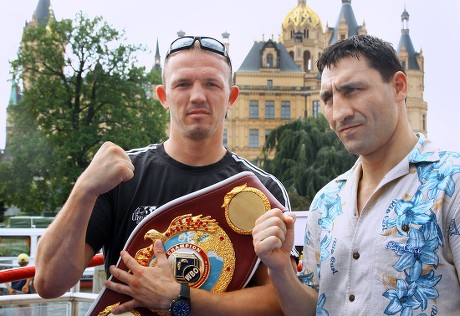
307 155
81 87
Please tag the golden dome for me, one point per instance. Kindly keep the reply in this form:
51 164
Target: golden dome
302 16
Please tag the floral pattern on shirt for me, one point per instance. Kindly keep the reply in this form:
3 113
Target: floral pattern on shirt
418 258
412 218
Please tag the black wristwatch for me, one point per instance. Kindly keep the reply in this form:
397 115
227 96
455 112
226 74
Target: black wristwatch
182 305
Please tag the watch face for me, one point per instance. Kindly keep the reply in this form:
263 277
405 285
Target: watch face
180 308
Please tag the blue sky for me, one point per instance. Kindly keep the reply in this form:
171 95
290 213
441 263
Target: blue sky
432 25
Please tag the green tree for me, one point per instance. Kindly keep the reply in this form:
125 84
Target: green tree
81 87
306 155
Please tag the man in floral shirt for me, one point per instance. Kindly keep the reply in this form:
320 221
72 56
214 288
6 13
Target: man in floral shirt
383 238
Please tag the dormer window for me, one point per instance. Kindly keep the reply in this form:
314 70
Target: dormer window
404 64
270 56
270 61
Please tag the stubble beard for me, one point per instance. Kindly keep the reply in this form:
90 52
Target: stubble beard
198 133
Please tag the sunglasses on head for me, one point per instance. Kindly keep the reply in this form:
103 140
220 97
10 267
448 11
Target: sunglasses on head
207 43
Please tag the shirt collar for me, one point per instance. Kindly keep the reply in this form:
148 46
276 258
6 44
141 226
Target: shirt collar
423 151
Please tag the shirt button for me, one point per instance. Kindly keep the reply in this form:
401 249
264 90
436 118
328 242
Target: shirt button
356 255
351 297
405 228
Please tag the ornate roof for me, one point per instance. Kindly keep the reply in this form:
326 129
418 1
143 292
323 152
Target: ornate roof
346 14
253 61
302 16
43 12
405 43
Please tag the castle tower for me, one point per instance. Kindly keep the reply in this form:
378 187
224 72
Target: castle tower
15 97
157 65
346 25
413 63
226 40
303 37
41 17
42 14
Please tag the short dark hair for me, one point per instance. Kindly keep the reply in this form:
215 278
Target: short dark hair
380 54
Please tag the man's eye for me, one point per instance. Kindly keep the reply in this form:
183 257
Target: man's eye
351 90
326 99
328 103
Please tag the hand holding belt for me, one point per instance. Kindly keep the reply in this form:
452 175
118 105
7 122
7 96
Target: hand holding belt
200 232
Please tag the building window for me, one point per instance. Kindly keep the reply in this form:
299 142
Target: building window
269 83
307 61
424 123
315 109
285 110
269 109
298 37
253 138
270 60
253 109
225 137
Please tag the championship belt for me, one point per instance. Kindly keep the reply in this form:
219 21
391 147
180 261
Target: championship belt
207 239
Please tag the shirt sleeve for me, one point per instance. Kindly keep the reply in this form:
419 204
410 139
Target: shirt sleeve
99 225
453 231
309 274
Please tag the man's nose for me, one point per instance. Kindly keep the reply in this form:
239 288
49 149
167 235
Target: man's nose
342 108
197 94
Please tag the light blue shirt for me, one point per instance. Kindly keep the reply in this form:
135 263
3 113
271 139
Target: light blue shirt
400 255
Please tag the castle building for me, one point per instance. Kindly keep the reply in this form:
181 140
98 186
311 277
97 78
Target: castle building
279 81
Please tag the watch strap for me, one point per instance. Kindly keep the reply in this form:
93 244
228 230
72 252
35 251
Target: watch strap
184 291
182 298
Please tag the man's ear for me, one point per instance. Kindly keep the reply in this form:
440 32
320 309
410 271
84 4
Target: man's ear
234 92
400 85
161 94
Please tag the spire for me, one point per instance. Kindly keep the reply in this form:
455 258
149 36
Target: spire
226 40
405 20
405 44
157 52
15 93
346 25
157 65
43 13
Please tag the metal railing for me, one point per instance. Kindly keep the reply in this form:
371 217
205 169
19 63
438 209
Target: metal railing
71 304
36 305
